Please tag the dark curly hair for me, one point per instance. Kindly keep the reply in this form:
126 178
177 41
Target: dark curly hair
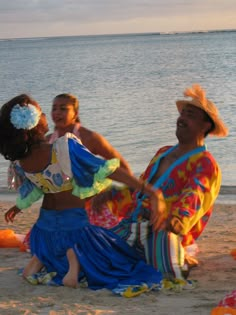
16 144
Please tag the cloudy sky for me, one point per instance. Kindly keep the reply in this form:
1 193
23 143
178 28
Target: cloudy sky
33 18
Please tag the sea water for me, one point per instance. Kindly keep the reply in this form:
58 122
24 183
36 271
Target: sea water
127 86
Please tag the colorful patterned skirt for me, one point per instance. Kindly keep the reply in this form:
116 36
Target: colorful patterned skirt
163 250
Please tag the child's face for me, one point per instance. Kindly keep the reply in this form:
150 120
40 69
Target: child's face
63 113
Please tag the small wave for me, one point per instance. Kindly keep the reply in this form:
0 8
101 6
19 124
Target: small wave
228 190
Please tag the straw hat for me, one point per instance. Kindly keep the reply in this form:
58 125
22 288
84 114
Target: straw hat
199 100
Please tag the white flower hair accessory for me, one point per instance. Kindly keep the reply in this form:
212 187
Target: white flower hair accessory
25 117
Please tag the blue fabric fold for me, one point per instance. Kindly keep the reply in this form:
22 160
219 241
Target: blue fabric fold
105 259
83 165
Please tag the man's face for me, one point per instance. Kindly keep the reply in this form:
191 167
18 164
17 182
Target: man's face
191 124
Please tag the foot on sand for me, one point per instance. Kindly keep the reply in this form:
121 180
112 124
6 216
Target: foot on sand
70 280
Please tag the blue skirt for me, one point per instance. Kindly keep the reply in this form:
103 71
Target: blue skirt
105 259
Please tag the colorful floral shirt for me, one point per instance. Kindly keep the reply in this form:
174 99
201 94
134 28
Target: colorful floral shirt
190 187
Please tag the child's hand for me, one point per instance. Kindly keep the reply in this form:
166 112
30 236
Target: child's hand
11 213
158 213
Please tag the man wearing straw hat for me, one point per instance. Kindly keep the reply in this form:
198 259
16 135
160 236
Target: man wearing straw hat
189 178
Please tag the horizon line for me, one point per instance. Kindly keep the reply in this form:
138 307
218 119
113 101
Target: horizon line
125 34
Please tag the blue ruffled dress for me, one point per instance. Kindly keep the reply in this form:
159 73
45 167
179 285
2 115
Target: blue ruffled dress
105 259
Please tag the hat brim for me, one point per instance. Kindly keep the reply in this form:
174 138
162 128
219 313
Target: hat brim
220 129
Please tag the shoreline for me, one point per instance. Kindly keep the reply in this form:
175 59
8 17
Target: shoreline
228 190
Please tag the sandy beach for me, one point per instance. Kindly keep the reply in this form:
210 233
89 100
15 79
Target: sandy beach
216 276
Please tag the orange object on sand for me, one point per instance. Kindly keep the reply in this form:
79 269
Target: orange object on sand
233 253
8 239
227 306
223 310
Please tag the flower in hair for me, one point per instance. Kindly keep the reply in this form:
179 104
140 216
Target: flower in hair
25 117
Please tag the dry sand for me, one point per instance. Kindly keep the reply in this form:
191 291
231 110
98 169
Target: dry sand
216 277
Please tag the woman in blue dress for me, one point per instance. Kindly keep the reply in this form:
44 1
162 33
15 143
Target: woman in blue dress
65 174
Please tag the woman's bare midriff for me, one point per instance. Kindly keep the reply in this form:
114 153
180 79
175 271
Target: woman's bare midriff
61 201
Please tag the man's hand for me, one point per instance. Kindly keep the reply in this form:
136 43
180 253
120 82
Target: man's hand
11 213
174 225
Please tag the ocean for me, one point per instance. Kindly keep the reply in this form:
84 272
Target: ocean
127 86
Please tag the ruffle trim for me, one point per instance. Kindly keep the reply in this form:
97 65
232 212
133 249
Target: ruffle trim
100 181
35 195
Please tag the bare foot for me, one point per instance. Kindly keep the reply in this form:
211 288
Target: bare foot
33 267
71 278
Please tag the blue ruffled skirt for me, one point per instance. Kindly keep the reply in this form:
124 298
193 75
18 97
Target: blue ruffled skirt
105 259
